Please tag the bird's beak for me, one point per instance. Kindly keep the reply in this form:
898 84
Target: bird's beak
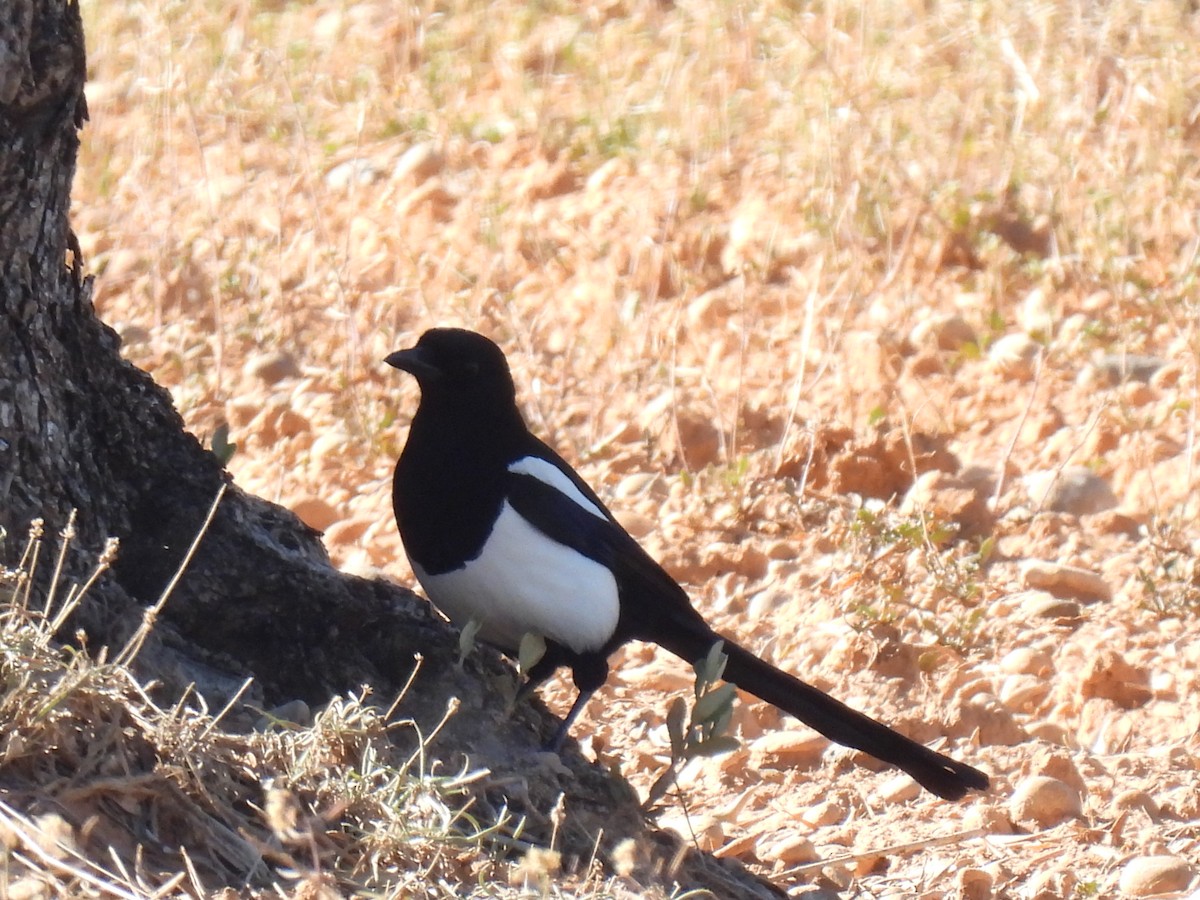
416 362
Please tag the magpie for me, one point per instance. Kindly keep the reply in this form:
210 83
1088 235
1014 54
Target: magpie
502 532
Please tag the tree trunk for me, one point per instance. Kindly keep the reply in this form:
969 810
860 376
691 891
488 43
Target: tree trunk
82 429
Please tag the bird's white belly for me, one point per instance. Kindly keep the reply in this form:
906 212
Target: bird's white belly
524 583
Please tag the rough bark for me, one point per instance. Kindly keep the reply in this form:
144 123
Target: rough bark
82 429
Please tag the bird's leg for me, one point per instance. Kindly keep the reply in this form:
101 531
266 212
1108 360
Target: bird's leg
535 677
555 743
589 671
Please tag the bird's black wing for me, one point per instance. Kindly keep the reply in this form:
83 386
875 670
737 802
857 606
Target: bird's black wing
651 600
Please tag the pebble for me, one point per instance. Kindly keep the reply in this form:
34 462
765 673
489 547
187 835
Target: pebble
1044 605
1114 522
347 531
635 523
1026 661
1115 368
294 711
828 812
949 499
271 368
641 484
1135 799
1110 676
352 171
315 513
420 161
1144 876
706 831
132 335
945 332
1015 356
899 789
1035 314
791 851
975 884
1044 801
1075 489
1064 581
1023 693
788 750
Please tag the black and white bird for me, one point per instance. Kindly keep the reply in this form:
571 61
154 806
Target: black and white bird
501 531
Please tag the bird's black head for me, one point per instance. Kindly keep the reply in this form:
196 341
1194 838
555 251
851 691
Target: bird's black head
457 366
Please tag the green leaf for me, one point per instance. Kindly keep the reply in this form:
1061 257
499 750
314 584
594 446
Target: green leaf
716 745
710 669
986 548
532 649
712 704
676 713
222 449
660 787
466 639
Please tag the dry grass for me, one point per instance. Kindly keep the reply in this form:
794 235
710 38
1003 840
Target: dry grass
106 793
721 242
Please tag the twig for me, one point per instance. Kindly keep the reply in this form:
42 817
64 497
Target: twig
134 646
1012 444
67 535
954 838
26 830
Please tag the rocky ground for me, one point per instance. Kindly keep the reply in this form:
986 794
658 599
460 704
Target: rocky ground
877 326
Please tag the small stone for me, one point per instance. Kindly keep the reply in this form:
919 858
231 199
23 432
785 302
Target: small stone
706 831
1075 490
1137 393
635 523
788 750
949 499
751 562
1114 522
975 884
291 423
420 161
1051 733
795 850
1118 368
699 440
1015 356
1144 876
328 443
777 550
1110 676
828 812
132 335
899 789
352 171
641 484
271 368
1044 605
1023 693
1135 799
1026 661
1044 802
347 531
295 712
315 513
1064 581
943 332
1050 885
1036 315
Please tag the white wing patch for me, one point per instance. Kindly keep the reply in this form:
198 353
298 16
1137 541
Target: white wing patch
525 583
548 473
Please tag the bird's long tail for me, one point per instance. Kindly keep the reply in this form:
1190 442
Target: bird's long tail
944 776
